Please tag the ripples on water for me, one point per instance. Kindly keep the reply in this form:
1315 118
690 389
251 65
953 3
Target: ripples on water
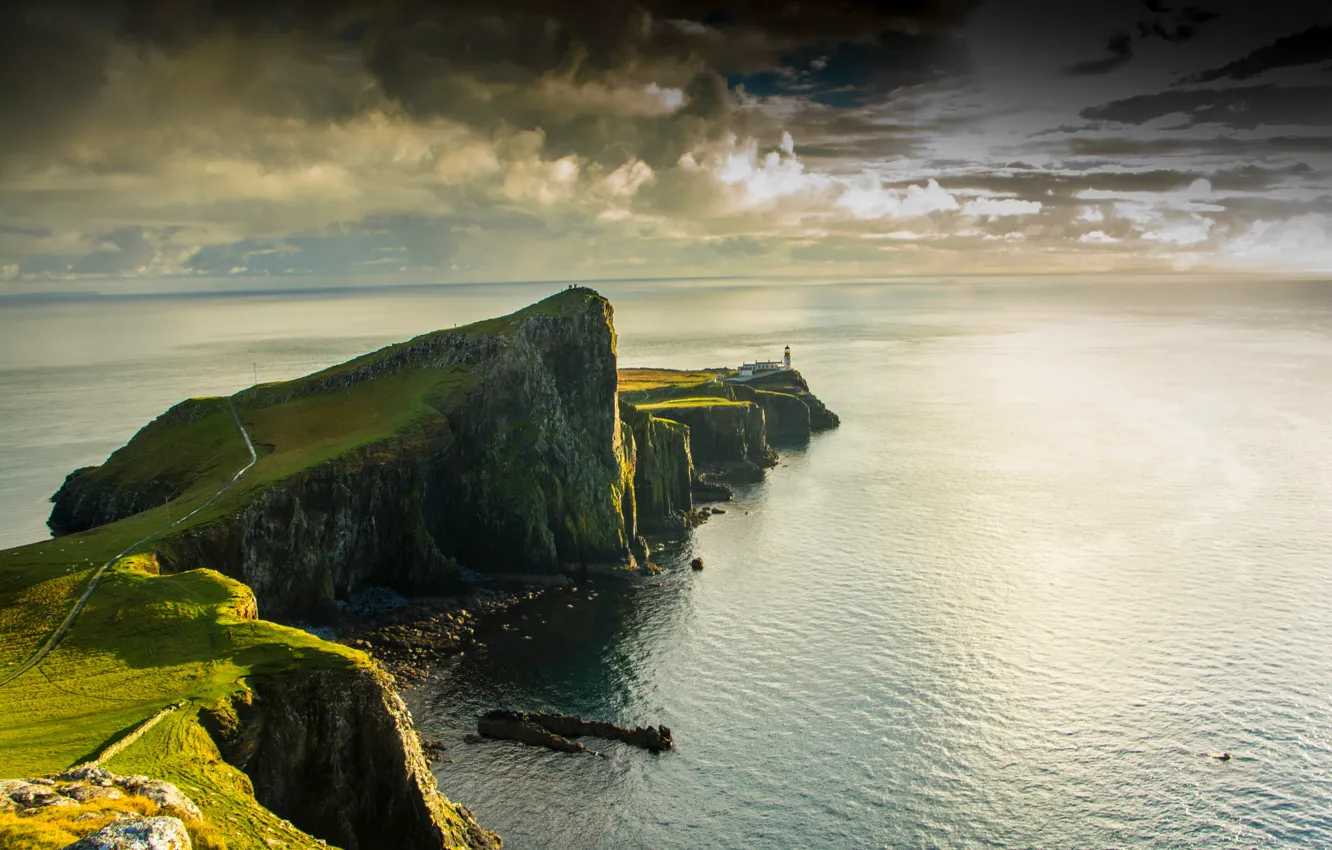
1066 542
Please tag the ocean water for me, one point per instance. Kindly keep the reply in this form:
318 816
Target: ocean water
1069 539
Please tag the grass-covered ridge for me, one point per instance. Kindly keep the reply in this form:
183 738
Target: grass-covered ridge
394 392
698 401
143 642
146 640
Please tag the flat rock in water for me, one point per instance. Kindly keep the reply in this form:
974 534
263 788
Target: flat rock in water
137 834
555 730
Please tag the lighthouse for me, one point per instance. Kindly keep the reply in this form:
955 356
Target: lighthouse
786 358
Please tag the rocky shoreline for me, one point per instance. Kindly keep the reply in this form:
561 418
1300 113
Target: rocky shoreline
425 633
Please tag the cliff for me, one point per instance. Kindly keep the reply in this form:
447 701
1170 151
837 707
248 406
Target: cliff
728 437
335 752
663 470
510 447
334 756
495 448
730 424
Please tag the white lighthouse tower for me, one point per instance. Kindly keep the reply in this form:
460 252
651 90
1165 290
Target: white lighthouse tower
786 358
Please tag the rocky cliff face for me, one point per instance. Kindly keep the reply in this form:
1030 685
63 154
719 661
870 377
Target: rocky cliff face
334 752
325 533
727 438
663 470
794 413
526 471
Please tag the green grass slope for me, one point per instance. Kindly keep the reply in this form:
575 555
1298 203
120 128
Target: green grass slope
145 641
188 452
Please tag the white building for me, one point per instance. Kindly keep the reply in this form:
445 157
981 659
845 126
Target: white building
766 367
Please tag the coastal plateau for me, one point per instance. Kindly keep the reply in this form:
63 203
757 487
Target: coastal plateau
511 450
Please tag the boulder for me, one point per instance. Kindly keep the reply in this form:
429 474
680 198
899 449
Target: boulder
697 563
90 773
31 795
516 726
87 793
137 834
162 793
555 730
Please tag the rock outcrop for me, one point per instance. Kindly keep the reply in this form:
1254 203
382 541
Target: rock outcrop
663 470
334 752
729 438
138 834
109 827
555 730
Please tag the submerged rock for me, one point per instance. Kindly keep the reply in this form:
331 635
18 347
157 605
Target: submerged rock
516 726
555 730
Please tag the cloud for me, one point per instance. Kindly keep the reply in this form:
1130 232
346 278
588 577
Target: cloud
1188 231
519 138
1097 237
1120 48
867 198
1303 242
1245 107
1000 207
1306 47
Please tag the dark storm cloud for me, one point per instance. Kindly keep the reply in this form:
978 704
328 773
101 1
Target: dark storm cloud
1171 25
1120 48
1120 149
475 61
1246 107
1308 47
49 70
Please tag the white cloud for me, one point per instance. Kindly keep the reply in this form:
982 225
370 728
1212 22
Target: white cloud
543 181
868 198
1097 237
777 174
998 207
625 181
1188 231
1303 242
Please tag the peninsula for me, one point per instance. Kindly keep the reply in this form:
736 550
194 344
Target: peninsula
131 644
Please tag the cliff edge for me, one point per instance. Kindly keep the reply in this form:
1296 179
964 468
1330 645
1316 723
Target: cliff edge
508 448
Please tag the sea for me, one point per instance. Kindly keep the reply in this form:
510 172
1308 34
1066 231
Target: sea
1073 537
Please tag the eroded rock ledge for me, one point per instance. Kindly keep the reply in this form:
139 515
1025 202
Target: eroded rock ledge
554 731
335 752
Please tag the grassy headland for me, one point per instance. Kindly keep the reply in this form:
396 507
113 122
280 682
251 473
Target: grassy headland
146 640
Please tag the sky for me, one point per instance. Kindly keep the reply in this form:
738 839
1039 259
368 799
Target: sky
268 142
